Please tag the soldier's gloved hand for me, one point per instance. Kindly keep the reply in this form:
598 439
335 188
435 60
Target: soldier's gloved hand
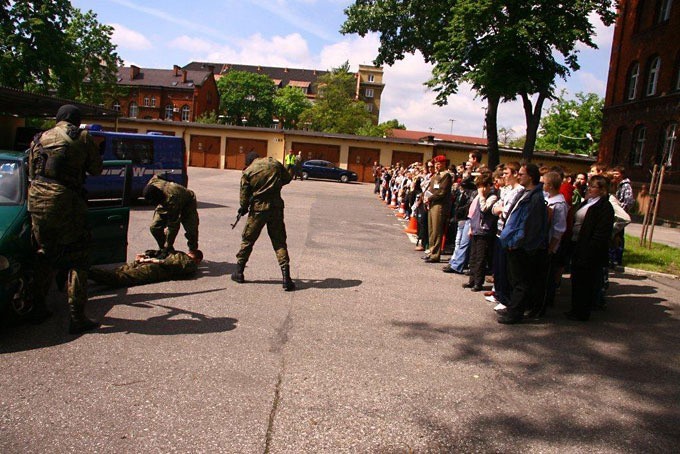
242 211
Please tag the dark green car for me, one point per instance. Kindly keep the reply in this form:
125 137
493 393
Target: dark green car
108 219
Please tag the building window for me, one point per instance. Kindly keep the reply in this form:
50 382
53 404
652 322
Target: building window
153 101
369 93
639 137
664 11
371 78
369 107
185 113
669 144
134 109
116 106
653 76
633 77
147 102
168 111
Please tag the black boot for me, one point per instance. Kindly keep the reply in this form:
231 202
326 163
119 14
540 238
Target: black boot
288 284
237 276
79 323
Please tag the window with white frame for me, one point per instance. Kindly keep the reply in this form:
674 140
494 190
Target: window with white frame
168 111
664 13
134 110
147 102
633 77
639 137
368 93
669 144
185 113
153 101
653 76
369 107
371 77
116 106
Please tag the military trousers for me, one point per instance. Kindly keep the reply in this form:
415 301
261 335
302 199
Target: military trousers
273 219
188 217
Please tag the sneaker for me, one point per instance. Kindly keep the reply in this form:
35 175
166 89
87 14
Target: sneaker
492 299
499 307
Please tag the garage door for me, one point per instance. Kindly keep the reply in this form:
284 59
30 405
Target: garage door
361 161
237 149
318 151
204 151
406 158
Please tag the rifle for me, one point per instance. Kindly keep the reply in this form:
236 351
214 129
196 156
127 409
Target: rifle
238 218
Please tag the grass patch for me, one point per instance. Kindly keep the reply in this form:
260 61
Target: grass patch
660 258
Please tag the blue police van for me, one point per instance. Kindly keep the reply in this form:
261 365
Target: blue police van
151 154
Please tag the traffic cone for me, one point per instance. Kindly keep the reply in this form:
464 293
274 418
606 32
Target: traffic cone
402 211
393 203
412 225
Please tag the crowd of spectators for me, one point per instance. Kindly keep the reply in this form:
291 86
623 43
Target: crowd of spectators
518 226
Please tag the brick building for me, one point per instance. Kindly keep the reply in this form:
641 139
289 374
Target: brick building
642 103
369 80
166 94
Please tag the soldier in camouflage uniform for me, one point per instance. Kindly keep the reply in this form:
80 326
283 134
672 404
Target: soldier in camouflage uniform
150 267
260 195
58 161
175 204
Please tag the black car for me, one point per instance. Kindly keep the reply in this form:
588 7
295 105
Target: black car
317 168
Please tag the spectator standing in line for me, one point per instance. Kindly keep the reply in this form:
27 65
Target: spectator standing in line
513 190
525 237
580 186
624 194
438 199
175 205
377 173
298 166
593 224
467 191
483 225
58 160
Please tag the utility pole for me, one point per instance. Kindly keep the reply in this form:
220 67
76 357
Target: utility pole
451 120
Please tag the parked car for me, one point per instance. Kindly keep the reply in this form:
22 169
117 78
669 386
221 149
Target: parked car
317 168
109 220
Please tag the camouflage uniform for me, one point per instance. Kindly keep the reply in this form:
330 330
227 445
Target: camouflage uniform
147 270
440 206
178 206
58 161
261 185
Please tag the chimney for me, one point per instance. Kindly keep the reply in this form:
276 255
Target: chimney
134 72
184 76
176 69
285 70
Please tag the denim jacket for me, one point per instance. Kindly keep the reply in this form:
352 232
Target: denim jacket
527 224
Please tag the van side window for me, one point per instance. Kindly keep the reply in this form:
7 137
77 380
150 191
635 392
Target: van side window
137 151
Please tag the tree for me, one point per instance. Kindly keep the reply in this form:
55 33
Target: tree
336 109
572 126
249 96
52 47
289 103
381 130
504 49
505 135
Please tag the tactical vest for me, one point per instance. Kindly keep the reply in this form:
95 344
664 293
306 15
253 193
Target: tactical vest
55 156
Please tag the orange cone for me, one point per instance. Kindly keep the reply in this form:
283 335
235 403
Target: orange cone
393 203
402 210
412 225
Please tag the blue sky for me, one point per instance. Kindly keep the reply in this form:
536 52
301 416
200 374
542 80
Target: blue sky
304 34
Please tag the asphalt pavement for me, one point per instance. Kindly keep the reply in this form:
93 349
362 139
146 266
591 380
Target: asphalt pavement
375 352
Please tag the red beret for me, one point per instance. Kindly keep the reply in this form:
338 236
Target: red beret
440 158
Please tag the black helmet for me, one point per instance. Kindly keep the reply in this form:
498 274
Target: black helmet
153 194
250 157
69 113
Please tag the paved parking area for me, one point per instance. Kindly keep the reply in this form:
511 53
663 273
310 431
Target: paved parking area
376 352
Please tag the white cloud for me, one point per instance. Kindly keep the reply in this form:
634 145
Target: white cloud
287 51
287 13
128 39
187 43
591 83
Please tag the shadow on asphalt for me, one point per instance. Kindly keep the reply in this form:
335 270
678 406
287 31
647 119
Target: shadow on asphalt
622 359
173 322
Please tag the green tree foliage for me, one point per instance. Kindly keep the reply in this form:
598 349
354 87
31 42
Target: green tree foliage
505 49
246 95
289 103
209 118
381 130
49 46
336 108
568 123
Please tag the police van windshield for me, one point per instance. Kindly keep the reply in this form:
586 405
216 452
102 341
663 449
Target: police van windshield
11 182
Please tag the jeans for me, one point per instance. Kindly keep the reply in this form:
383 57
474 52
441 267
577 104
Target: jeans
461 253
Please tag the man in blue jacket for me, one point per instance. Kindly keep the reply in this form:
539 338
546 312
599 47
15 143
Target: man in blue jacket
525 236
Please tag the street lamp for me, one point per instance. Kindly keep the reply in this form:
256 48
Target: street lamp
451 120
244 120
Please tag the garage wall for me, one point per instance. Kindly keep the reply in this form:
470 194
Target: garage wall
204 151
361 161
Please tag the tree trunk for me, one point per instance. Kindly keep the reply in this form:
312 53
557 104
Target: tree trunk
533 119
492 131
